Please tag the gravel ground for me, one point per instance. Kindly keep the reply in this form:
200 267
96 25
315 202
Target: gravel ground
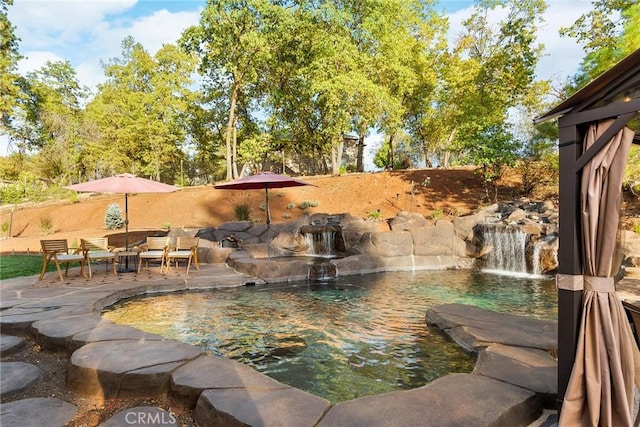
91 411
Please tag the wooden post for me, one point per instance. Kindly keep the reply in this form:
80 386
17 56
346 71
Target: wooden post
569 252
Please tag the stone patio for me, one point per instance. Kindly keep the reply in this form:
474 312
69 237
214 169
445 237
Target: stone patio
514 378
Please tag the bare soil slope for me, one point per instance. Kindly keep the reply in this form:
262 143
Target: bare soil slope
426 191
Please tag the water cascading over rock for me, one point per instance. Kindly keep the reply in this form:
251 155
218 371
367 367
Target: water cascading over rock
510 248
323 240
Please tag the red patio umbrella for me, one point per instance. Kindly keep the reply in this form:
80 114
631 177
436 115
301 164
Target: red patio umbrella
262 180
123 183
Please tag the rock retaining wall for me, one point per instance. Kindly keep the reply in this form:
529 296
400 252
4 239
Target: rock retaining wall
408 241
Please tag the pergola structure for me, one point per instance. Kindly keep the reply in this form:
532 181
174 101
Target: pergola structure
613 97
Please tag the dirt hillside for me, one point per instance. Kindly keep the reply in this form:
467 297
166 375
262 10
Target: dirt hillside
426 191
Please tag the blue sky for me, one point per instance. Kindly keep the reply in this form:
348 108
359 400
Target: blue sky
88 31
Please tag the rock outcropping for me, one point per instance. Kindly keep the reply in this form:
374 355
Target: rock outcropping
341 244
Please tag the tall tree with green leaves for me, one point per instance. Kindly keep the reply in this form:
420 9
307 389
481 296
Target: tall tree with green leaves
496 73
232 46
608 32
137 121
9 57
48 119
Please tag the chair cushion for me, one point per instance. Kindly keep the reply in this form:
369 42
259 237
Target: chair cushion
151 254
179 254
70 257
96 255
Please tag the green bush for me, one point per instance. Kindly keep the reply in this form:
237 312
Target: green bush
291 205
375 215
113 217
436 214
4 231
307 204
242 212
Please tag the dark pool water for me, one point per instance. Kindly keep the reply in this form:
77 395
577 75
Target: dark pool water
357 336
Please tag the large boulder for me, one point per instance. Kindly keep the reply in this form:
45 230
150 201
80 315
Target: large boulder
387 244
438 240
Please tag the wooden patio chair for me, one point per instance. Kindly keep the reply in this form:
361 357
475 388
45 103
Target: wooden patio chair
155 248
58 251
186 248
97 249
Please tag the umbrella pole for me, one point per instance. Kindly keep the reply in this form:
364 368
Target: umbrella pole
126 221
268 221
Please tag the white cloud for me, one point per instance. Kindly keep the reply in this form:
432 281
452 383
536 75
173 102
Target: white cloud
90 32
35 59
562 55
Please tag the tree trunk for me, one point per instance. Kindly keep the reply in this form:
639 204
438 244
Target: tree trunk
447 154
230 124
360 155
234 149
337 147
390 162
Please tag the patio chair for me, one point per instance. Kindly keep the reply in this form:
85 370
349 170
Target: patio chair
155 248
97 249
186 248
58 251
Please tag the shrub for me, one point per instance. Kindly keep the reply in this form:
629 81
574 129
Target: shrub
46 225
113 217
4 232
263 207
375 215
636 228
436 214
242 212
307 204
286 215
291 205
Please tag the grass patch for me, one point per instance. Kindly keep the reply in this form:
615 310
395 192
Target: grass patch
21 265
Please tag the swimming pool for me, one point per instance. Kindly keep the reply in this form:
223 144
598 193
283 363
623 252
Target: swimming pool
342 339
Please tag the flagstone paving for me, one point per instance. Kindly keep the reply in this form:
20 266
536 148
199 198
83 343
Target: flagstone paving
514 376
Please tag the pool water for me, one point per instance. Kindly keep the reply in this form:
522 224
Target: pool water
342 339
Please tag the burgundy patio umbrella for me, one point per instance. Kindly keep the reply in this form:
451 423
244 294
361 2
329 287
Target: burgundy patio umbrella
262 180
123 183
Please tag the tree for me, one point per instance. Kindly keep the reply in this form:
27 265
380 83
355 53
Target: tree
47 119
493 150
137 121
492 72
231 44
608 32
9 57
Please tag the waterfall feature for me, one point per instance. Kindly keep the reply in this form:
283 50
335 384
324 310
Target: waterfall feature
508 253
322 271
321 244
510 249
325 241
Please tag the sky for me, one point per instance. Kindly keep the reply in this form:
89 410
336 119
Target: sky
89 32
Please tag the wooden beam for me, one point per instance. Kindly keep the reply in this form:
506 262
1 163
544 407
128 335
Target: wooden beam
608 111
569 252
604 139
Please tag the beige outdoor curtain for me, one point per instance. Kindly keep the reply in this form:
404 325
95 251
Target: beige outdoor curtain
600 389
